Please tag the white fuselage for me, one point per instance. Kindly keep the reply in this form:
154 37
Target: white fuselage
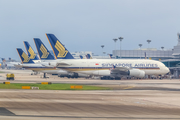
102 67
42 66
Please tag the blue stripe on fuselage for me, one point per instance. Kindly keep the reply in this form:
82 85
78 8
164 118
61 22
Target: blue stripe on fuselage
105 67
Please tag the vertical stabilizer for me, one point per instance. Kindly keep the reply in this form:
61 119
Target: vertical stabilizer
81 57
110 55
23 56
60 52
31 54
88 56
43 52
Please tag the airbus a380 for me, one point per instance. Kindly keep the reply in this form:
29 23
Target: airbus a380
115 68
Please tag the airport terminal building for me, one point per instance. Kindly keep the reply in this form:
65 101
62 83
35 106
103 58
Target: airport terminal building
171 58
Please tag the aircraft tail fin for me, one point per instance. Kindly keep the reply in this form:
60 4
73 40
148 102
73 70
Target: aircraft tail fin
3 59
88 56
59 50
31 54
23 56
81 57
43 52
110 55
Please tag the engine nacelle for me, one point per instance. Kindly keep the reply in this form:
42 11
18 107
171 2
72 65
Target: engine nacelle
137 73
101 73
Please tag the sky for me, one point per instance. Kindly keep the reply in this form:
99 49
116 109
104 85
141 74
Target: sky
85 25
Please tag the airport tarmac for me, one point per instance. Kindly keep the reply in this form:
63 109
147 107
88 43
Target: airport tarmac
128 100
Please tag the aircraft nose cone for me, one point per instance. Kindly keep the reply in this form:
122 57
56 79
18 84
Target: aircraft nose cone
167 70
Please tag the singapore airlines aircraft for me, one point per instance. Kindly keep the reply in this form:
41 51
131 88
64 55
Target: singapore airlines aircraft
36 67
44 64
30 52
110 68
9 64
47 59
43 52
88 56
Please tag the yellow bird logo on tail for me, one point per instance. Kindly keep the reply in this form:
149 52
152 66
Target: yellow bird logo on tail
26 59
44 51
33 55
61 49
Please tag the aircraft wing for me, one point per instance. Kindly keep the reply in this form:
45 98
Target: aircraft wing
120 71
62 64
47 64
125 71
18 65
54 64
122 68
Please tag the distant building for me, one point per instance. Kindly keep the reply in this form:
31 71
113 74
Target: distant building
171 58
76 55
144 53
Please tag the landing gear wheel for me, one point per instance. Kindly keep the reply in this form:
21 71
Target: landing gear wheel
117 78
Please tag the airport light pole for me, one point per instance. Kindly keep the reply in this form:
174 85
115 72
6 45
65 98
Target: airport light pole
102 48
148 45
115 39
104 54
163 50
140 45
120 38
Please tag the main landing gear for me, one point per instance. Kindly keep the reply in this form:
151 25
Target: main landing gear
110 78
160 77
44 75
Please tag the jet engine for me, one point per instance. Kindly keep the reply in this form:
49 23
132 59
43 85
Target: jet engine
118 72
137 73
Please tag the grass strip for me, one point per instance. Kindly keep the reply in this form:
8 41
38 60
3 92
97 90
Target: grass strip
55 86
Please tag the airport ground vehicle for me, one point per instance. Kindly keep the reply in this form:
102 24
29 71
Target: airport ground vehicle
10 76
